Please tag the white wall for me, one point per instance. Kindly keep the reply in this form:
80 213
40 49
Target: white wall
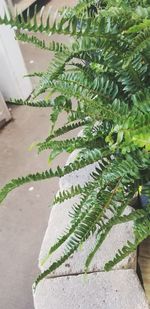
4 112
12 67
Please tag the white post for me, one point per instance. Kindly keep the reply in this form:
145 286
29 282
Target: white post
12 67
4 112
10 5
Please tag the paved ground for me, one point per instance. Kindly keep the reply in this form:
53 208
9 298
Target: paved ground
24 215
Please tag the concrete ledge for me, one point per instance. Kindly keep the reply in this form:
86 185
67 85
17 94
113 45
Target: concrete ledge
113 290
77 177
59 221
68 287
81 177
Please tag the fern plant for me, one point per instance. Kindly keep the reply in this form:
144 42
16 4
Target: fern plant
106 71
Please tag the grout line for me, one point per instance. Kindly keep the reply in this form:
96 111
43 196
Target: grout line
86 274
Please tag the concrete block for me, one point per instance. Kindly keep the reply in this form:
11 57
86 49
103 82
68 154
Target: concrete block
59 220
112 290
78 177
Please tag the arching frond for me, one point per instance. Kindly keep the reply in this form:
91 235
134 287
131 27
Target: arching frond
51 46
131 247
41 103
77 164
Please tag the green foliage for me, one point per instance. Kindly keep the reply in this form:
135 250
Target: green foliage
53 46
101 81
41 103
76 165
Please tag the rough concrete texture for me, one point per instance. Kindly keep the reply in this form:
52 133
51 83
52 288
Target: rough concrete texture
81 176
112 290
59 221
24 214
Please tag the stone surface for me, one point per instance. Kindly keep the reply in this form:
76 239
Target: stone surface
59 220
77 177
112 290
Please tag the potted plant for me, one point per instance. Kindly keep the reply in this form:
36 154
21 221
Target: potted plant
106 70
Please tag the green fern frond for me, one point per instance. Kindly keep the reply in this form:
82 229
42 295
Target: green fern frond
67 128
56 68
34 74
67 194
117 219
113 221
141 41
69 145
134 128
69 25
130 247
79 210
102 234
82 232
144 25
76 165
72 86
76 115
58 25
51 46
42 103
88 187
84 204
91 138
80 8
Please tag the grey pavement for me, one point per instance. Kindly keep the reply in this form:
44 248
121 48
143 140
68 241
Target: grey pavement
25 212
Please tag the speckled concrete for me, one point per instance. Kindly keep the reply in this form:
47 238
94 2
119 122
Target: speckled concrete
114 290
116 239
